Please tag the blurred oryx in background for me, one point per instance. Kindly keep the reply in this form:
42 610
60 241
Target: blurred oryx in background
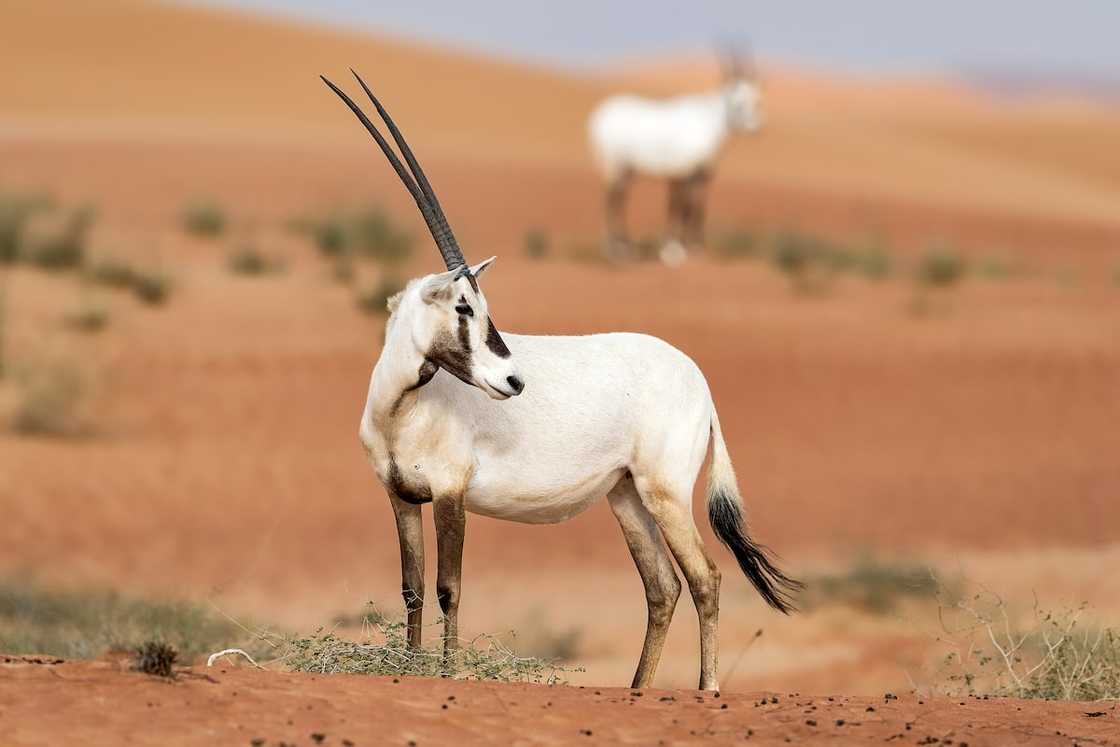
677 139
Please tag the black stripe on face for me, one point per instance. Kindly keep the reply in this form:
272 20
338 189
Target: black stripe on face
494 341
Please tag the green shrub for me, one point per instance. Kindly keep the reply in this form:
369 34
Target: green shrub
151 287
112 273
15 212
88 317
536 244
332 236
739 244
940 267
248 260
872 586
50 399
376 236
62 245
874 263
87 623
801 258
204 217
375 300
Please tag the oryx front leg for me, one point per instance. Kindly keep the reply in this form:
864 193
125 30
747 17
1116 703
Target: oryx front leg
410 532
617 243
451 524
662 586
671 510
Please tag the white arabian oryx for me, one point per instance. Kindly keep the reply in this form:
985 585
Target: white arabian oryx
536 429
677 139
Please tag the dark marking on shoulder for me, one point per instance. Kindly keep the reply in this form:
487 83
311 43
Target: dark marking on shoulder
494 341
424 375
417 496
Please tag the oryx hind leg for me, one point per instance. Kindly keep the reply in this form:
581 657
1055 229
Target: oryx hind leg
410 532
662 586
669 503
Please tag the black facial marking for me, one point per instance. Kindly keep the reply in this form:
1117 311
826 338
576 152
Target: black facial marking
464 335
453 352
416 495
494 341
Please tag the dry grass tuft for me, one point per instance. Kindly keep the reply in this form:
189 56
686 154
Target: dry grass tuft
1053 655
156 658
382 649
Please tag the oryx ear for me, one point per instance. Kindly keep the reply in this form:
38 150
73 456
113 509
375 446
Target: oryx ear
439 287
481 266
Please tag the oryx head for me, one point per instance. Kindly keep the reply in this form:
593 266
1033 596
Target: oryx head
741 94
445 315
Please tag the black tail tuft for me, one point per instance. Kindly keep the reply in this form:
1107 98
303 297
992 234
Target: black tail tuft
727 521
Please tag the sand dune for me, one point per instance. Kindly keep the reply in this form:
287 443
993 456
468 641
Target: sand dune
166 71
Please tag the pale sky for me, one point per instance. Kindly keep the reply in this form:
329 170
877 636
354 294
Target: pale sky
1052 38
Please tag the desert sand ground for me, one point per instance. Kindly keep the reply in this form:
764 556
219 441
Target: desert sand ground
224 706
225 466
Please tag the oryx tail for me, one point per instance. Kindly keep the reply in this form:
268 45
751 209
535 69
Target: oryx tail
725 512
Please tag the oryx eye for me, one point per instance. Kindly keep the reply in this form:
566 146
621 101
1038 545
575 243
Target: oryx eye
464 310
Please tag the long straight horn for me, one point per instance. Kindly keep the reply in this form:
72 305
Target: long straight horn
419 188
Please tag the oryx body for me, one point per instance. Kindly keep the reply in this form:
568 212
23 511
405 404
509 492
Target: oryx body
546 427
677 139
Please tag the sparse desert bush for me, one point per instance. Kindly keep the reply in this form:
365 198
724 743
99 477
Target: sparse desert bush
50 399
536 244
88 317
801 258
940 267
204 217
248 260
872 586
156 658
369 232
331 236
111 272
375 299
874 262
739 244
377 237
383 650
60 243
87 623
151 287
1054 656
15 212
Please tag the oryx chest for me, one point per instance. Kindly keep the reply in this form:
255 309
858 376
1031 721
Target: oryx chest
419 458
